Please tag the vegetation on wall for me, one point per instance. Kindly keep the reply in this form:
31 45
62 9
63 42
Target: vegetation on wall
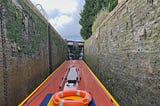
126 56
26 31
89 13
99 19
58 41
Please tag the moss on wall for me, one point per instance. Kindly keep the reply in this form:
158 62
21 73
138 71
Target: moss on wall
128 57
25 50
24 28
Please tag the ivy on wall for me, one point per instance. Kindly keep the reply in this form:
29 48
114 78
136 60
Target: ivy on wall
57 39
26 31
24 28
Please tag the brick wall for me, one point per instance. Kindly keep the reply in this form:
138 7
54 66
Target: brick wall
1 72
24 50
124 52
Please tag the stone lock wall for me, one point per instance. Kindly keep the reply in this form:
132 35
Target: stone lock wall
26 56
124 52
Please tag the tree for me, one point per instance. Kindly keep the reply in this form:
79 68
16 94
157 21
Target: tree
89 13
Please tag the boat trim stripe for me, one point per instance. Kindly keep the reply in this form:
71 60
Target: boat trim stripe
109 94
22 103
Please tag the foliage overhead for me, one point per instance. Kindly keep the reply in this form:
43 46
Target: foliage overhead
89 13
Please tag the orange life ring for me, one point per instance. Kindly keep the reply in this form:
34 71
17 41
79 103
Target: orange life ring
84 101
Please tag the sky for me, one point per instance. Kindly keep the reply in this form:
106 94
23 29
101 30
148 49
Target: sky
64 16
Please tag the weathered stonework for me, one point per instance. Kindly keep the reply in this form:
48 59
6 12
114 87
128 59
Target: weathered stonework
24 50
1 72
124 52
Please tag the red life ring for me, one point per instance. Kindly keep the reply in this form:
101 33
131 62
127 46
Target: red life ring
84 101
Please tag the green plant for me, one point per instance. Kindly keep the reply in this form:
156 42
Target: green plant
89 13
99 19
